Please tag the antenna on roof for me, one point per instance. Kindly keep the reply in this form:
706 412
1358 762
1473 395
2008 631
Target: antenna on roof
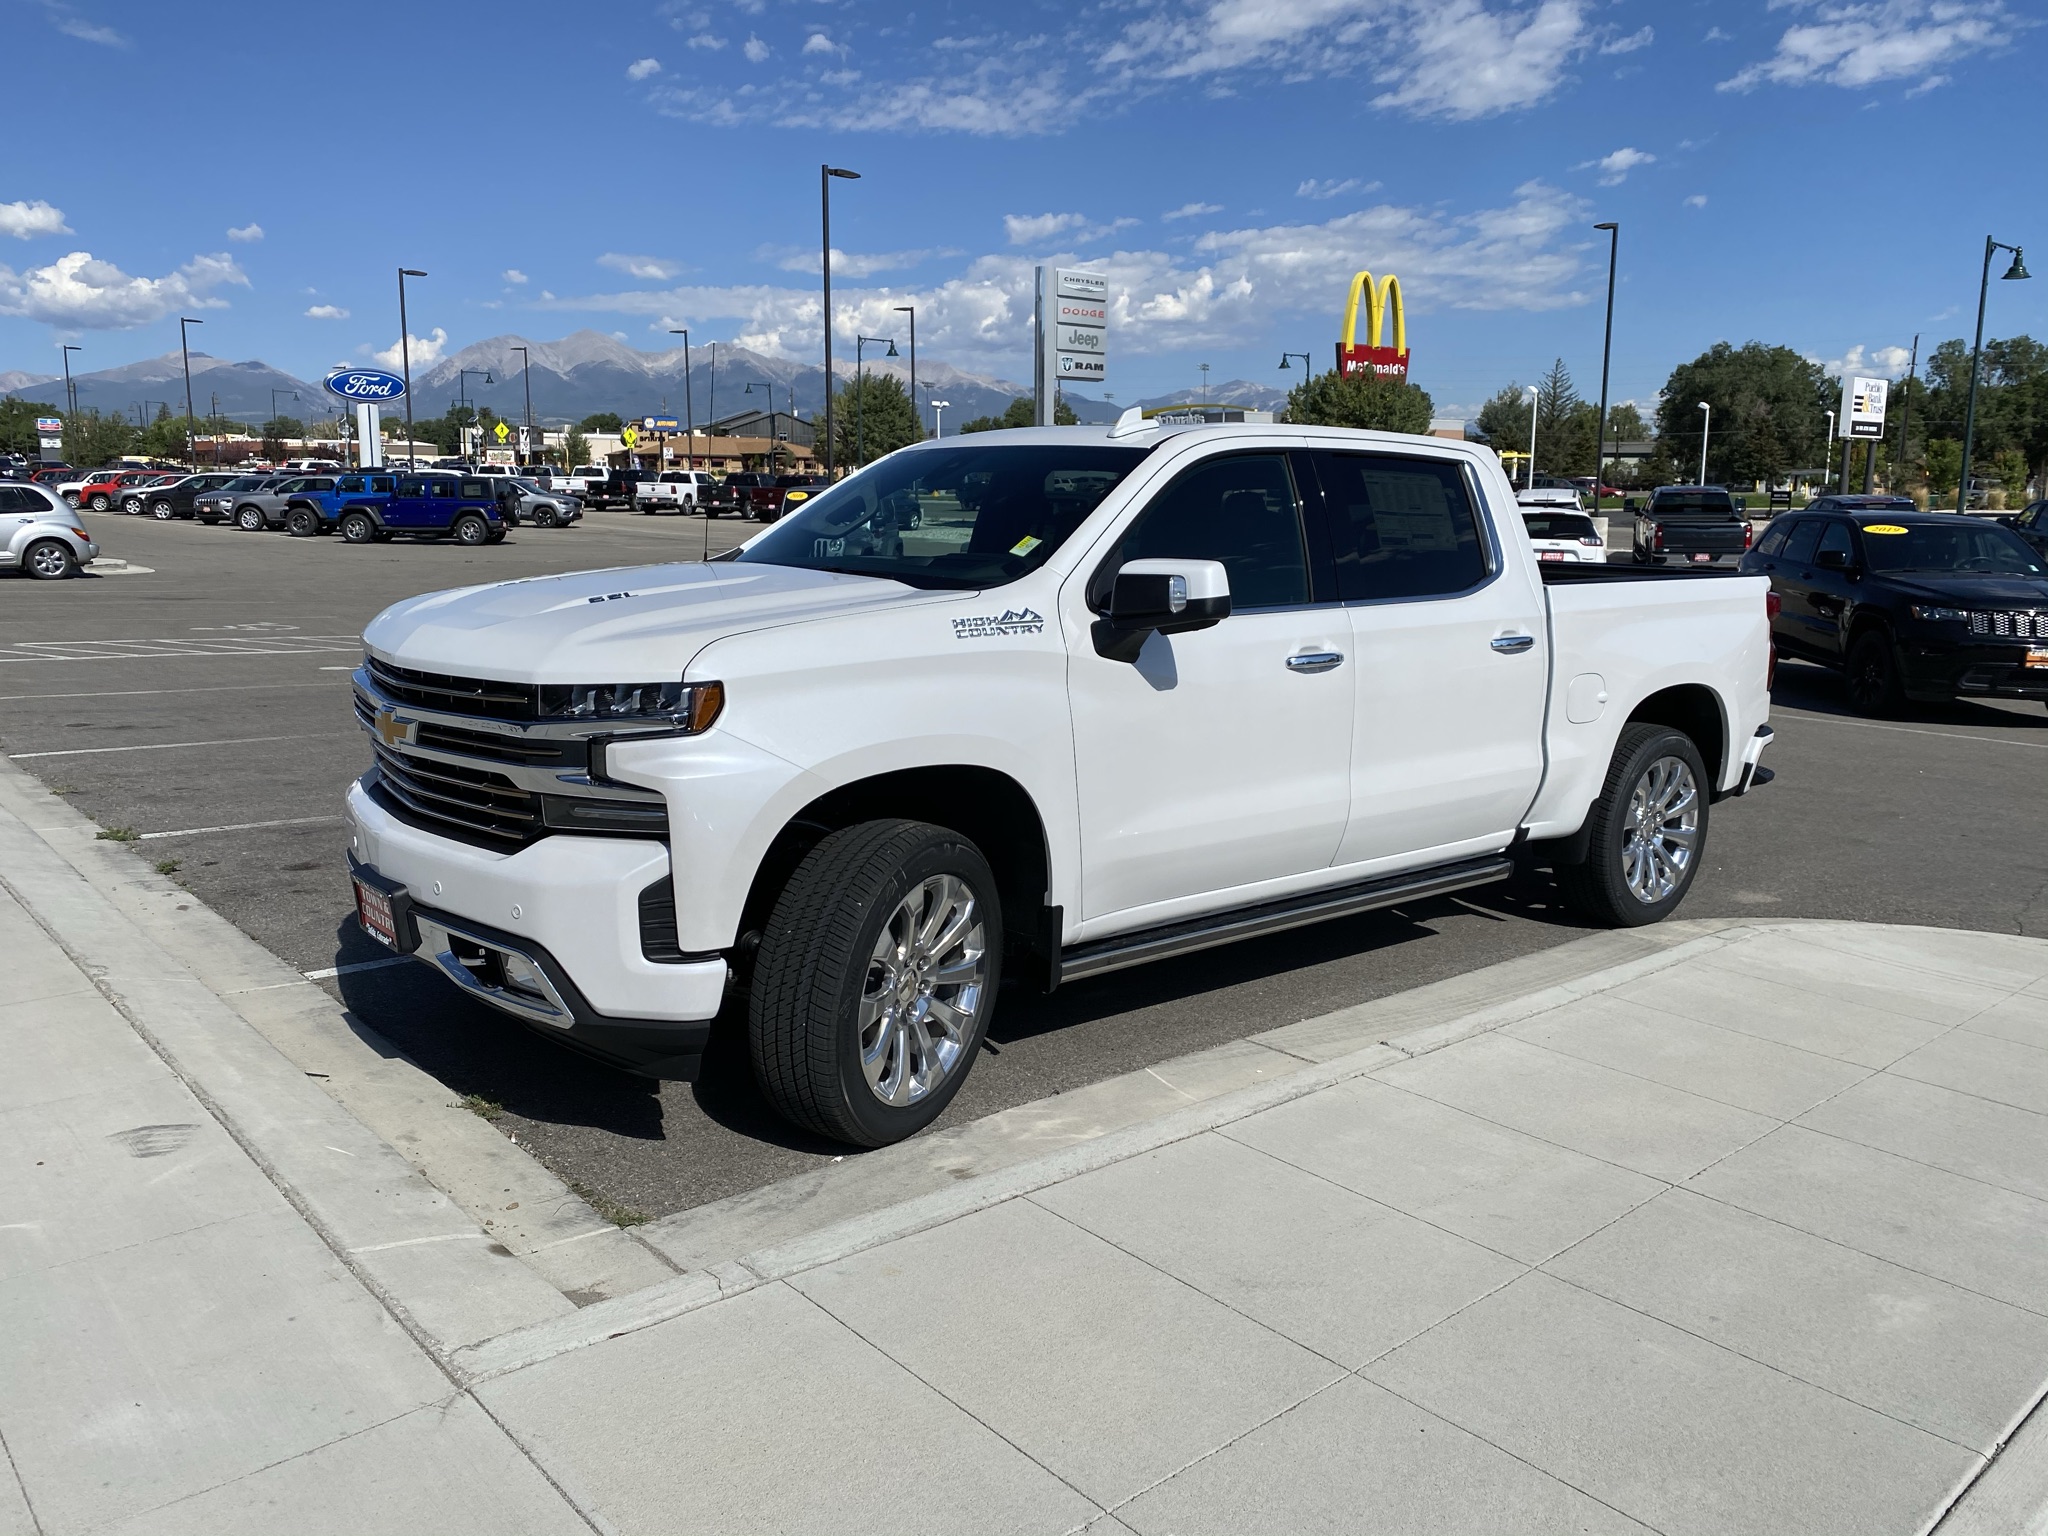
1131 423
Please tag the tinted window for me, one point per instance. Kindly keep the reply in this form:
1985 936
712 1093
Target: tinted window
320 483
1400 527
1773 539
1557 525
382 483
1971 547
472 490
1799 548
1692 501
348 483
408 485
14 499
446 489
1241 511
1835 536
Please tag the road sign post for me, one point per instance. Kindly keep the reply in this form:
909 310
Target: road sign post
1863 402
1070 334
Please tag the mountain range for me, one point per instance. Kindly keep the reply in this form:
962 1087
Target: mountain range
571 378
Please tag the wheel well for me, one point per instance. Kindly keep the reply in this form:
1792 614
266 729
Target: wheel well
1694 710
990 809
1861 625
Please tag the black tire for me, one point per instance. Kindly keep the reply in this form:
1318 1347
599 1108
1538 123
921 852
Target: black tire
543 517
162 510
1872 676
816 961
1600 887
358 528
250 519
49 560
470 529
100 502
302 522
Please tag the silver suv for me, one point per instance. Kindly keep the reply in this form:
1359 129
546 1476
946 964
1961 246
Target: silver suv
40 535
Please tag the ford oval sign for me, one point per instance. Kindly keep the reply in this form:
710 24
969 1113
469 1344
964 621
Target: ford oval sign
366 386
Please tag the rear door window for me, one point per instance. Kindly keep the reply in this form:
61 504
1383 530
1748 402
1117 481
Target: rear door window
1835 536
1799 548
1401 527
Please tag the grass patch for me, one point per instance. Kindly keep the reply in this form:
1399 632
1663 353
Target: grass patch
167 866
117 834
63 789
618 1215
481 1107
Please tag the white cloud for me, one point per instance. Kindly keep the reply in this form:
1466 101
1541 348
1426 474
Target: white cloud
1697 200
1716 35
855 264
642 69
755 50
707 40
1038 228
1642 37
1322 191
1614 168
248 234
423 350
64 20
79 292
326 312
24 221
818 42
1873 363
652 268
1191 211
1867 42
513 275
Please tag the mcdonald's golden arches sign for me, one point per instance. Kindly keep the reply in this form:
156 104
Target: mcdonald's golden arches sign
1382 302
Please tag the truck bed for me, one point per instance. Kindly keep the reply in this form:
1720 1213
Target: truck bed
1567 572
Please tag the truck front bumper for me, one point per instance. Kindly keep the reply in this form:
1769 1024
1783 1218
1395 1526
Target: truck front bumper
550 935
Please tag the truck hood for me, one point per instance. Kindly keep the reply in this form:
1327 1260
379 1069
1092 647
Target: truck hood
628 624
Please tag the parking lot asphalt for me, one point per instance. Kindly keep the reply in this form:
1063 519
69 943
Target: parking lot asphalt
204 708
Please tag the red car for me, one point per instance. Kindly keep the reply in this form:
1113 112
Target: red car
50 474
104 488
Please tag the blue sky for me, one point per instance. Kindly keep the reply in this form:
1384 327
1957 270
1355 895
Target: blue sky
1819 173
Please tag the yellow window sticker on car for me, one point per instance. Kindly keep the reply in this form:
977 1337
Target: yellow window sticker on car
1882 528
1025 545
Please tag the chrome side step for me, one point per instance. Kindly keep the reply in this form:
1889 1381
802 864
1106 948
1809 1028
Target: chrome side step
1167 940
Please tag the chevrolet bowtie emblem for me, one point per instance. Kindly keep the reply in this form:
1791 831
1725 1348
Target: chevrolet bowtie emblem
391 730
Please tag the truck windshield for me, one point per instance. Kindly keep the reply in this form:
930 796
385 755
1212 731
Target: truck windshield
1957 548
949 517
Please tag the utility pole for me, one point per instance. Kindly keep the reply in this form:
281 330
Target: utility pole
689 409
1606 355
405 358
526 378
825 175
911 310
186 352
1906 415
70 392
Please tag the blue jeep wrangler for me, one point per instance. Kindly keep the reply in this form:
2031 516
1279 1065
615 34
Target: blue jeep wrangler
375 505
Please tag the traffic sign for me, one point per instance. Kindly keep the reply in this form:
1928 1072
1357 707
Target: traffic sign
1863 402
629 436
501 431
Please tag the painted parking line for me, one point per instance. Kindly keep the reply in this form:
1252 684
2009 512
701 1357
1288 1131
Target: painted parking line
361 965
243 826
1914 730
166 746
142 650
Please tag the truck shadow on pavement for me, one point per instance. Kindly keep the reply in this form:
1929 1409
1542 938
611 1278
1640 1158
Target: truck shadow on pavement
1818 690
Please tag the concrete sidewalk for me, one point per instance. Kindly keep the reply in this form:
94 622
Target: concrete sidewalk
1748 1232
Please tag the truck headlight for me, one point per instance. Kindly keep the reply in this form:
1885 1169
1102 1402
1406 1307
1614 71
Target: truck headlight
687 707
1939 615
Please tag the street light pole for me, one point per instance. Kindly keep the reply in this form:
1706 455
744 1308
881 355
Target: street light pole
186 352
2017 272
689 407
825 175
1529 473
1706 427
1827 454
860 395
70 394
1905 416
911 310
526 379
939 419
405 358
770 388
1606 356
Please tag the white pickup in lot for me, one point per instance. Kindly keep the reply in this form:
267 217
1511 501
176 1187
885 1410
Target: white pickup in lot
1042 703
674 489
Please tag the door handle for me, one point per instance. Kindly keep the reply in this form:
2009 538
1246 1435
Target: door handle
1513 645
1315 661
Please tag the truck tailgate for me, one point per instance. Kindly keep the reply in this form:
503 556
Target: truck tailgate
1703 535
1621 636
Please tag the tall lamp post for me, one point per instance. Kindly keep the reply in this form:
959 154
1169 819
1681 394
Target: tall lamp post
185 351
1606 355
462 397
405 357
825 175
526 379
1306 365
1898 470
70 393
1827 454
1706 426
860 394
1529 474
939 418
2017 272
911 310
689 407
770 388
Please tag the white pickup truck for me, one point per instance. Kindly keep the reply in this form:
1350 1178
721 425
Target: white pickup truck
1038 703
674 489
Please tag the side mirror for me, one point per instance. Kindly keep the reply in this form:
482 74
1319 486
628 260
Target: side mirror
1833 560
1167 596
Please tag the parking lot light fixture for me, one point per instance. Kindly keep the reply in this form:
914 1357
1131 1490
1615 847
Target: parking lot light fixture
405 358
1606 356
70 394
1306 365
825 175
939 418
860 398
689 407
185 351
911 310
1706 426
2016 273
1529 473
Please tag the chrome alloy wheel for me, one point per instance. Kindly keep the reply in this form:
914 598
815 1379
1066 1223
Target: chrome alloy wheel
925 985
1663 830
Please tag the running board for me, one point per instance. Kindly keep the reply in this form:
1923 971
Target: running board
1147 944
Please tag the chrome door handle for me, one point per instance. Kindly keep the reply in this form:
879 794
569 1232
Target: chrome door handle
1513 645
1315 661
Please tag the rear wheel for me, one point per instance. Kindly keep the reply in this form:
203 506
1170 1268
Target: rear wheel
357 528
302 522
544 517
1873 675
875 981
1646 833
100 503
162 510
470 529
250 519
49 560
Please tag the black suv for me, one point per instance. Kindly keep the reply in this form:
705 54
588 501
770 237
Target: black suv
164 502
1910 605
2031 525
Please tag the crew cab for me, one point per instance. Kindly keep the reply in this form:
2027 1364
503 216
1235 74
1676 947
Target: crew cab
1908 604
466 508
674 489
1123 693
605 485
1694 524
749 493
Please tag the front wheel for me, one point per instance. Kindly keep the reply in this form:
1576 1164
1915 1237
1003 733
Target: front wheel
49 560
1646 833
357 528
250 520
162 511
1873 675
875 981
100 503
544 517
302 522
471 529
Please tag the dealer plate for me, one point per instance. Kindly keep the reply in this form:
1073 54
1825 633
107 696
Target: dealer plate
373 911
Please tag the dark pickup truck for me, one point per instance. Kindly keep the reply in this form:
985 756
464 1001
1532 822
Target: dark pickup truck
748 493
1691 524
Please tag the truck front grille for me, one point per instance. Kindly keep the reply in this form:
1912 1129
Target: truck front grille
2023 624
456 695
470 803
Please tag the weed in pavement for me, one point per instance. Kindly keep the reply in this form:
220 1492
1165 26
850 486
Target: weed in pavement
117 834
167 866
618 1215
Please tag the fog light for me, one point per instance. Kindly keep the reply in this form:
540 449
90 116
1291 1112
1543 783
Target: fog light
521 974
2037 656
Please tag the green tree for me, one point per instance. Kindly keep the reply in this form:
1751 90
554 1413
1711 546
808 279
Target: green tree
93 438
1360 400
2009 467
164 438
1022 412
872 416
277 431
1625 423
575 448
1505 421
1944 467
602 421
18 425
1769 412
